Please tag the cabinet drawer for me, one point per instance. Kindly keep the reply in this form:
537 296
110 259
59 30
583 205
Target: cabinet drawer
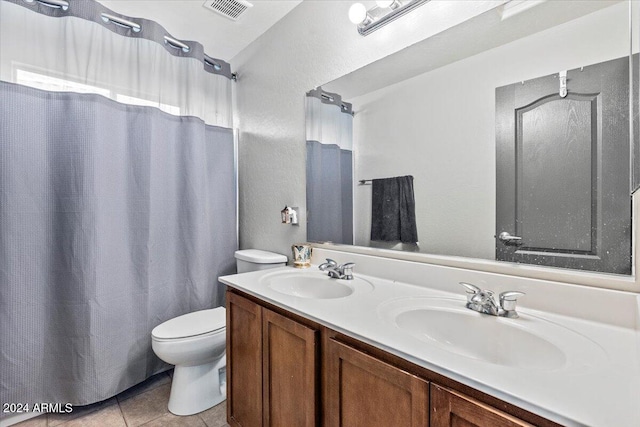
452 409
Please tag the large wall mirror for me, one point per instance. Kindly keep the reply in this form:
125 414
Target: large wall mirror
508 137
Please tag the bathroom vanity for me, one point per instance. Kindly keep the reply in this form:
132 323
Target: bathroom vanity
284 369
304 349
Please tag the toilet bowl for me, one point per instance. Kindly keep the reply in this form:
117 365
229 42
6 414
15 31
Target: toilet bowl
195 344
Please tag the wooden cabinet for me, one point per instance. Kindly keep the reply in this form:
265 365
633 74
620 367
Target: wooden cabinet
453 409
289 371
285 370
244 362
272 367
362 391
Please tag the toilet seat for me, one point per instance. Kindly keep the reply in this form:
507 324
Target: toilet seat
192 324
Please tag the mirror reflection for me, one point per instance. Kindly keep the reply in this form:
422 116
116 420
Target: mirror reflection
504 138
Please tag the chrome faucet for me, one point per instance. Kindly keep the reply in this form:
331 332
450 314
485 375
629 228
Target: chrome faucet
483 301
335 271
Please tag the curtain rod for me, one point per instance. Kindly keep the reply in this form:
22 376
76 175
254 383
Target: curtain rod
91 10
331 98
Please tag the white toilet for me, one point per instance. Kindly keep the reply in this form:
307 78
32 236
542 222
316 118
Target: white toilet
195 344
255 259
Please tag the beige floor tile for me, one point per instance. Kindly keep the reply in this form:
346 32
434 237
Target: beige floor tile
105 417
216 416
146 406
151 383
79 411
39 421
170 420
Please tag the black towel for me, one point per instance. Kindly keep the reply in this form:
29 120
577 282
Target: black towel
393 210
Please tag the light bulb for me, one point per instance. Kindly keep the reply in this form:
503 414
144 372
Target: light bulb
384 3
357 13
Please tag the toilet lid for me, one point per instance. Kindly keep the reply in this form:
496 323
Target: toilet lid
258 256
191 324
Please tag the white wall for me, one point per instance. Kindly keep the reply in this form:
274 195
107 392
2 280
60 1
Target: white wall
313 44
440 128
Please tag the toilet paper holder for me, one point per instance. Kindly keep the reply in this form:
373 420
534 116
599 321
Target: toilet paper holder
289 215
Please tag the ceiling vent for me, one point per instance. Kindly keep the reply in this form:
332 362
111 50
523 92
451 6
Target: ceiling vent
232 9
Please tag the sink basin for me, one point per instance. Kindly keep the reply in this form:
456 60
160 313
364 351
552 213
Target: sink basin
527 342
314 284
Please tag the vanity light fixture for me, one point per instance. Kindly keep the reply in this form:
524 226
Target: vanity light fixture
358 14
384 12
391 4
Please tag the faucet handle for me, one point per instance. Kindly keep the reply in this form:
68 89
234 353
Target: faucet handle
508 301
329 264
470 289
347 270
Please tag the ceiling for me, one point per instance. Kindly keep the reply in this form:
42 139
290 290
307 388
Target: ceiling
189 20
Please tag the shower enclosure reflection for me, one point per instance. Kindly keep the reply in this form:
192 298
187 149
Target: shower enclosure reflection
329 168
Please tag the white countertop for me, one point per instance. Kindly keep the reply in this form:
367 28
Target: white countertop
604 391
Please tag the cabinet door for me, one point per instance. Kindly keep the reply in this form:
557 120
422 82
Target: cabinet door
453 409
290 372
244 362
364 391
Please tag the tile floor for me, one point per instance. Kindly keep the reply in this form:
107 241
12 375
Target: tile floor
142 405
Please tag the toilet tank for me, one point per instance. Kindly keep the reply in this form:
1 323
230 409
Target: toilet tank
255 259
